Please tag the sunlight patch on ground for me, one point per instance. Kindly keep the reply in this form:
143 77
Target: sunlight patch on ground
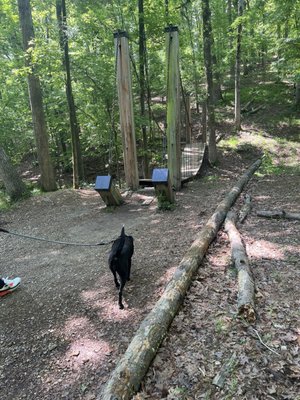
106 305
73 325
111 312
87 350
265 249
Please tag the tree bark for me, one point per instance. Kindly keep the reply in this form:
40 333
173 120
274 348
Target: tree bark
278 214
207 44
132 367
47 178
246 208
297 94
229 16
14 186
61 13
173 106
125 97
204 122
237 104
142 62
246 287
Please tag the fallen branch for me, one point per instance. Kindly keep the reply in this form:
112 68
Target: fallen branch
132 367
264 344
255 110
246 287
246 208
227 368
278 214
245 108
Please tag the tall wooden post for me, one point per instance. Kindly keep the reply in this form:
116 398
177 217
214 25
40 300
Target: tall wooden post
126 109
173 106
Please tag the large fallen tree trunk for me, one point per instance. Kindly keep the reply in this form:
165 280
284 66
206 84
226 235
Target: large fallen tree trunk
246 287
278 214
132 367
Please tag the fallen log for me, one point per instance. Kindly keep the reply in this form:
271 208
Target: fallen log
246 286
278 214
132 367
246 208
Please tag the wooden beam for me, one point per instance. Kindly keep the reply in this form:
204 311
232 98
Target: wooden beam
173 106
126 109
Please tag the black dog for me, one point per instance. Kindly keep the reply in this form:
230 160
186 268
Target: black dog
119 261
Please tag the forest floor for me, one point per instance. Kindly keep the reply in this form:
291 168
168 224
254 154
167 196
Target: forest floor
62 332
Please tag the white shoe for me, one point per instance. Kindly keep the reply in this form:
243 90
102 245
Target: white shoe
9 285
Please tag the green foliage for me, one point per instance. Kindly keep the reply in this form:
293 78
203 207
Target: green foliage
4 201
271 166
164 204
270 37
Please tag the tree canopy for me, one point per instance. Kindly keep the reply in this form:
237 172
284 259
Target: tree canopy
270 40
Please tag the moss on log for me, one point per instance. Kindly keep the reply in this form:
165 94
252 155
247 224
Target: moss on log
132 367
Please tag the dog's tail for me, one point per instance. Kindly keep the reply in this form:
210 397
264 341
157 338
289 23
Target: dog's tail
121 242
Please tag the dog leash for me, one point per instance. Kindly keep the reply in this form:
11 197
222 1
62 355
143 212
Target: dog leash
55 241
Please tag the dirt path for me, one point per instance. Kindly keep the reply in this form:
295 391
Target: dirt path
62 332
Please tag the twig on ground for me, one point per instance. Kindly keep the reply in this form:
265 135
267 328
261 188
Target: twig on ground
261 341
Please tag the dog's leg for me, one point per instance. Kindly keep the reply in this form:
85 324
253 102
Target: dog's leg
115 279
129 269
123 281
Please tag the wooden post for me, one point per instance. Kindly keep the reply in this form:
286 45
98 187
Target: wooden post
173 106
126 109
161 182
108 191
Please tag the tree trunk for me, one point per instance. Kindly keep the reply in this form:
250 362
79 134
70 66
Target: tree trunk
173 106
231 60
204 122
132 367
142 62
297 95
14 186
237 104
194 60
246 287
47 179
207 41
61 14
